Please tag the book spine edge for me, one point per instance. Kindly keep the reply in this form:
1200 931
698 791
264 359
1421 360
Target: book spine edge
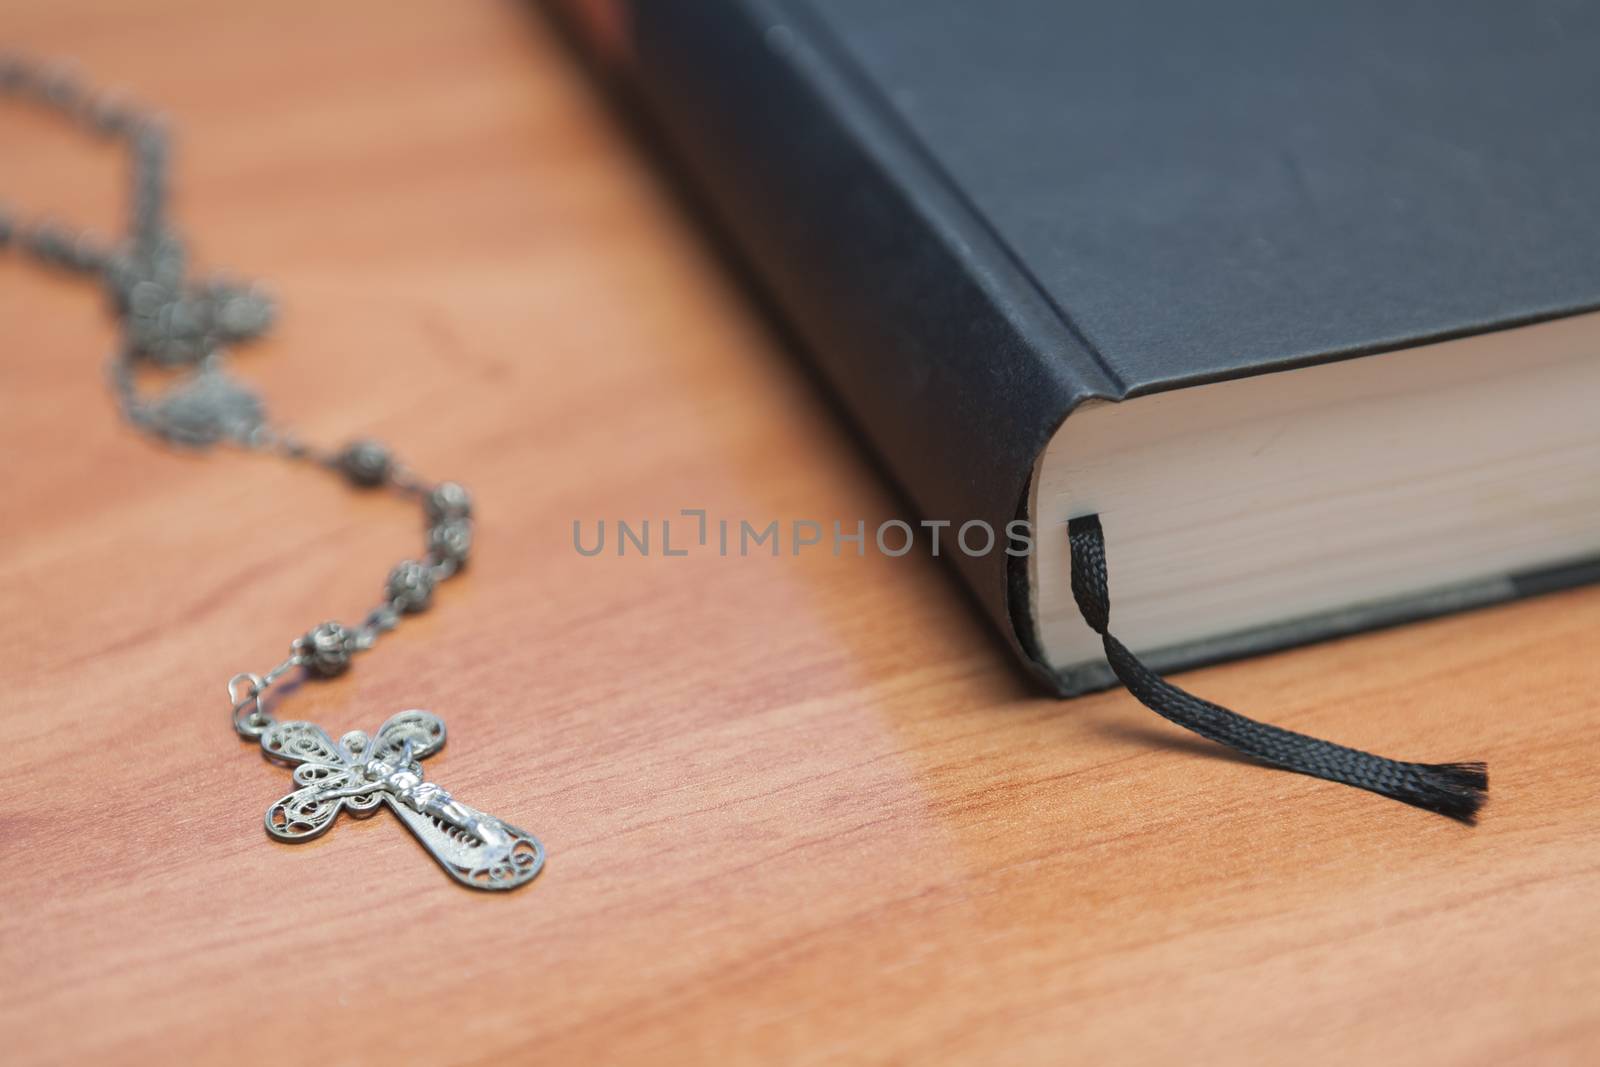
902 297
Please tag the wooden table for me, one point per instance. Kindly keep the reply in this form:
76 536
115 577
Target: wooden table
797 809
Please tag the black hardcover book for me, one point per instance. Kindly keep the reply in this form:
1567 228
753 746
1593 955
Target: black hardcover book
1297 298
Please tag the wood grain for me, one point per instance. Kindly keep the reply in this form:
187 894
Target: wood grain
798 809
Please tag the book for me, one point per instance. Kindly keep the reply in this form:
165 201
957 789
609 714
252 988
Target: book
1299 300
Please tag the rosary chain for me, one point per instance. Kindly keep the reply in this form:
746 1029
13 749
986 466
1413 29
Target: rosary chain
180 327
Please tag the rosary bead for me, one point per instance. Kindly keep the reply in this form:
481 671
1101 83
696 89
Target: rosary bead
239 313
58 88
164 325
108 114
365 463
50 243
165 261
207 407
325 649
447 500
450 541
410 586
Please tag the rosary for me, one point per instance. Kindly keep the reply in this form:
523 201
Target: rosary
180 327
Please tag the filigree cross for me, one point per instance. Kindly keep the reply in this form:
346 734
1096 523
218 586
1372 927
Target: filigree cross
360 773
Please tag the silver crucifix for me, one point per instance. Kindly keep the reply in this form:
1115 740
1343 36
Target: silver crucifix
361 772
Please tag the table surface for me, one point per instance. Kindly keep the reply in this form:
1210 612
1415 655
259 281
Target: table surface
797 809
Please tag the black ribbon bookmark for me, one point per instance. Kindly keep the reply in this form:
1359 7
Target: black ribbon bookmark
1453 789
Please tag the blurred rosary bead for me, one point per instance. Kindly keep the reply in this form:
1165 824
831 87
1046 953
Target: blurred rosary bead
366 463
208 407
239 312
325 649
61 247
58 86
167 262
89 255
165 326
48 242
447 500
120 278
108 114
292 447
450 542
410 585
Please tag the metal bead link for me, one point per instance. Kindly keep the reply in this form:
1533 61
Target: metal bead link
250 719
291 447
56 246
12 72
108 114
380 620
58 88
250 716
47 242
405 481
